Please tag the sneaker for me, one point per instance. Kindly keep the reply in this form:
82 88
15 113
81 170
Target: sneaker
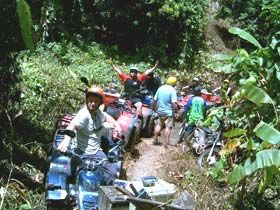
156 142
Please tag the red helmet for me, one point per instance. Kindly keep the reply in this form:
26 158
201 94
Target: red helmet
97 91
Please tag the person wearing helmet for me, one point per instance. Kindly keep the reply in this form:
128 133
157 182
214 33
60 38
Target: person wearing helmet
195 83
132 83
195 110
165 104
88 123
225 92
152 83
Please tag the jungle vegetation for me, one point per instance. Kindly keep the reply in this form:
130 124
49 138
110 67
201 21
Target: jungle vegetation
48 45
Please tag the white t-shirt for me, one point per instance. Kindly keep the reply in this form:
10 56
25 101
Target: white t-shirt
89 130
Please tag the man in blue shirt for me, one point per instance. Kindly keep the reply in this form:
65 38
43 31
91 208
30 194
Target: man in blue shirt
165 104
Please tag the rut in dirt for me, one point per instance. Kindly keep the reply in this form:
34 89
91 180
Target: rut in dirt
152 158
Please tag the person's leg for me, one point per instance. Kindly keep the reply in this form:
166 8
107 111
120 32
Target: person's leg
138 106
108 170
189 131
157 131
168 127
168 134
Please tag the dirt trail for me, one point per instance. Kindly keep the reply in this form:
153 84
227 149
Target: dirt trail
153 158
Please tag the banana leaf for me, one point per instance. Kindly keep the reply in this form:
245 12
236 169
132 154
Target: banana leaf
267 178
234 132
245 35
227 69
262 160
277 68
221 57
25 21
267 133
256 95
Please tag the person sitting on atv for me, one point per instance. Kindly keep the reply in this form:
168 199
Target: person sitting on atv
88 124
132 84
195 83
152 83
195 110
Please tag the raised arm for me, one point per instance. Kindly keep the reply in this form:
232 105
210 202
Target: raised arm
148 71
114 67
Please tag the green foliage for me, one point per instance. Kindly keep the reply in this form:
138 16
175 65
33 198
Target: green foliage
235 132
15 195
267 133
51 78
25 20
171 31
244 35
258 17
255 146
267 160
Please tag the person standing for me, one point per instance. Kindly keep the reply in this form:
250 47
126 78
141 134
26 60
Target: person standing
132 83
88 124
165 104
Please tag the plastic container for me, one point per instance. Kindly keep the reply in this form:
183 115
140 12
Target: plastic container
160 191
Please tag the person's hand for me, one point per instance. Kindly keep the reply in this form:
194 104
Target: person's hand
118 130
177 116
185 87
63 146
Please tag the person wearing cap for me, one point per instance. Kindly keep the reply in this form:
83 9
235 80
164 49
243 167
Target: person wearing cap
152 83
195 110
88 123
195 83
132 83
225 92
165 104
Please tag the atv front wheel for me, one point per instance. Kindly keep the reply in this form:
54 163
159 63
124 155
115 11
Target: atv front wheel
206 160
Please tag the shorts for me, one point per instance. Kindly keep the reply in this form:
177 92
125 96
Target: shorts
165 120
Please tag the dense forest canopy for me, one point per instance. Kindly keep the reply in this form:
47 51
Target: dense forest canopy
48 45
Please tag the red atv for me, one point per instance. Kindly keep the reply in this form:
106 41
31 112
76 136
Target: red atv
148 114
121 110
210 98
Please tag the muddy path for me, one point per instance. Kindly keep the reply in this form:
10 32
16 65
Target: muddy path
176 167
153 159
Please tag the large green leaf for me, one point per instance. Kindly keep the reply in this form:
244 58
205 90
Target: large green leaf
267 133
256 95
277 68
262 160
267 178
234 132
227 69
245 35
25 21
222 57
